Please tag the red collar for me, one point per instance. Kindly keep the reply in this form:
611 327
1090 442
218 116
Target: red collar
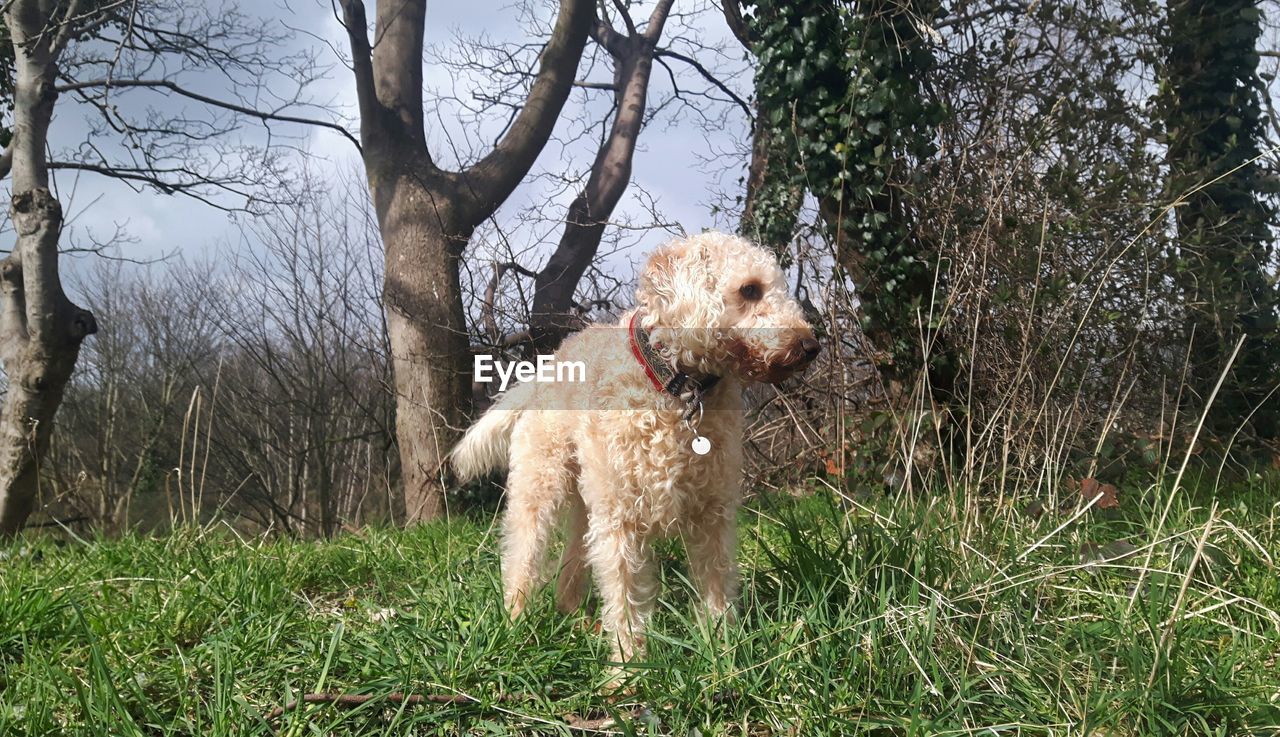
664 377
640 346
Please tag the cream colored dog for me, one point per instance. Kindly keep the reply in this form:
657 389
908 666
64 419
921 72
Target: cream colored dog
618 453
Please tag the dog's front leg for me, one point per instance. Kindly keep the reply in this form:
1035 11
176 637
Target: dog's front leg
711 543
624 573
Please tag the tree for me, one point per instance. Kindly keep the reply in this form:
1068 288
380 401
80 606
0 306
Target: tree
1225 249
40 328
843 114
304 410
92 52
531 300
1039 205
1034 213
427 214
252 383
774 191
632 54
120 422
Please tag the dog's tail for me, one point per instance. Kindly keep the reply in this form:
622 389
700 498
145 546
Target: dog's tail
485 445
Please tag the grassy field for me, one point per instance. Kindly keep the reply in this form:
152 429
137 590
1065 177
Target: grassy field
945 615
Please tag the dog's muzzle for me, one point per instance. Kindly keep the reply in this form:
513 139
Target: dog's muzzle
798 357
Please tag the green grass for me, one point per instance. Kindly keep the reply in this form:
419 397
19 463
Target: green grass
916 616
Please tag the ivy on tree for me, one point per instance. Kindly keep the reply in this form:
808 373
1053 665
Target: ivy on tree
839 86
1211 96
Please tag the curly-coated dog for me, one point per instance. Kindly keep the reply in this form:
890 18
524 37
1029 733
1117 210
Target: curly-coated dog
623 455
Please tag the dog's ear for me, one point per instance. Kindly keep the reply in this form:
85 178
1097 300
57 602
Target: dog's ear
677 287
658 289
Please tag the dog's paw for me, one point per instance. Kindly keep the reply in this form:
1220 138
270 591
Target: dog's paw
619 682
514 605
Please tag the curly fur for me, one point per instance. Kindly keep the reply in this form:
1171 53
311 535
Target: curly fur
612 455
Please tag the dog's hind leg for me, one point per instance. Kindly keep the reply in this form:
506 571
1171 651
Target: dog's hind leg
542 473
571 588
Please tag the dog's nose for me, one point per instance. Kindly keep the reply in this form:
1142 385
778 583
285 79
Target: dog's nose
810 347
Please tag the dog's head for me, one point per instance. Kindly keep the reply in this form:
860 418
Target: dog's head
719 304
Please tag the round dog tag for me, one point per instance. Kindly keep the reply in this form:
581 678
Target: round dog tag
701 445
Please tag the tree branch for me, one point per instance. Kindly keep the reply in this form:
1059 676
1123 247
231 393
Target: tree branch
608 39
610 174
1001 9
581 84
357 26
224 104
397 64
657 19
151 177
491 294
707 75
737 24
494 177
626 17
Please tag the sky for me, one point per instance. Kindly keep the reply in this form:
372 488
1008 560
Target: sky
684 162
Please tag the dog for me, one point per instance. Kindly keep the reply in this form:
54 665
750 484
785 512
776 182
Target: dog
649 445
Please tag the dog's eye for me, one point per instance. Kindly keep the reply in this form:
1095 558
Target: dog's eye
751 291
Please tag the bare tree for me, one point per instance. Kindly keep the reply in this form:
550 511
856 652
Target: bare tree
269 359
539 272
121 418
91 52
304 414
40 328
632 53
427 216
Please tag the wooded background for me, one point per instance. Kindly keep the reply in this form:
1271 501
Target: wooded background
1037 237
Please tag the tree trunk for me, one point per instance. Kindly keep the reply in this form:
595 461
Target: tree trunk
772 199
428 334
38 359
1225 244
771 204
40 329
